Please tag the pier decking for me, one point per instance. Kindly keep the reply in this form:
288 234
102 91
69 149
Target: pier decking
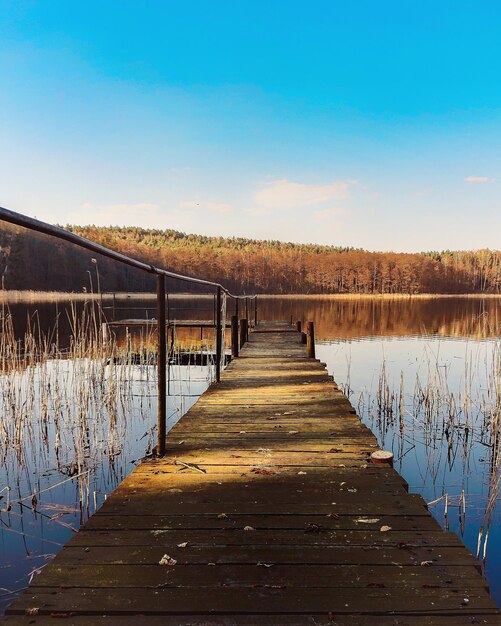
265 510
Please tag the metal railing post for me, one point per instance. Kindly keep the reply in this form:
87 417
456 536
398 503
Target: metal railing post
162 361
219 337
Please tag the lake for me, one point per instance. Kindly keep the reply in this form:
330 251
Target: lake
423 373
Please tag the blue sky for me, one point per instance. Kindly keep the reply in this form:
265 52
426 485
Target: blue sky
364 123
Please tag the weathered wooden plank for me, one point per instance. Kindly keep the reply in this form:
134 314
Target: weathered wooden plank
321 480
102 521
490 619
273 554
245 501
320 576
311 535
256 601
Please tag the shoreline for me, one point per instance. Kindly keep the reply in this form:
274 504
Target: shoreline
62 296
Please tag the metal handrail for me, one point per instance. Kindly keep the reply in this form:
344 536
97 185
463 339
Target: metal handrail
56 231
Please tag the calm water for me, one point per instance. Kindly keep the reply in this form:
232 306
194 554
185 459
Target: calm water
424 375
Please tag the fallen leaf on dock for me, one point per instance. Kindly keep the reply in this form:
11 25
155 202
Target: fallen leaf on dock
385 529
262 470
367 520
182 545
315 528
167 560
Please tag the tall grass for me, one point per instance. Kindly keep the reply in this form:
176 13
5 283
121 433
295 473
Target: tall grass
448 424
75 416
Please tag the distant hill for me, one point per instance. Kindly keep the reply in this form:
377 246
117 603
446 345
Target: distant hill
32 261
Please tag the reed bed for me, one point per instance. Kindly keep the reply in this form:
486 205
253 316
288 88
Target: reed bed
441 419
74 419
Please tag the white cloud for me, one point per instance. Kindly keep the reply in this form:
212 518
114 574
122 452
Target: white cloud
478 180
285 194
325 214
201 205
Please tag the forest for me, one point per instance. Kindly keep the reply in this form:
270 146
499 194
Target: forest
31 260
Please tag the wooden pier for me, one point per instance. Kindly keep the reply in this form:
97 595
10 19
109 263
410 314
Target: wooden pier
265 510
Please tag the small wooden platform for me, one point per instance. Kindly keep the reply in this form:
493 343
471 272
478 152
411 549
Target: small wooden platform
265 511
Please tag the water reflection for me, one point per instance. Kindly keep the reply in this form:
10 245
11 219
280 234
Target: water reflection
353 318
335 317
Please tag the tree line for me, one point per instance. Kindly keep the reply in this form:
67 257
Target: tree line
31 260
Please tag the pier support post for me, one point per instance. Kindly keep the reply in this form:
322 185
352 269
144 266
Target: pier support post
255 310
310 336
162 361
219 337
234 336
244 331
299 326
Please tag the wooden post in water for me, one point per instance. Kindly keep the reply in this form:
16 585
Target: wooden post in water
219 337
244 331
310 335
234 336
162 361
382 457
247 308
298 326
303 338
255 311
236 307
